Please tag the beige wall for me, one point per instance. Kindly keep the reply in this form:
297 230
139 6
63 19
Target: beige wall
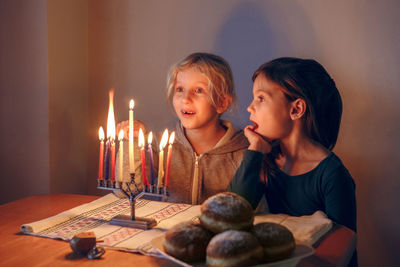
24 135
67 27
130 46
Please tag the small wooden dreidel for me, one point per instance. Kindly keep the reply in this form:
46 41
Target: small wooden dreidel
83 242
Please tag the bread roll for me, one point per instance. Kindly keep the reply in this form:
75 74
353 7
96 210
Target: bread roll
187 241
277 241
226 211
234 248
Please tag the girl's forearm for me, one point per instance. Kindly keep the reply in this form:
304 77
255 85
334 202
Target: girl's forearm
246 181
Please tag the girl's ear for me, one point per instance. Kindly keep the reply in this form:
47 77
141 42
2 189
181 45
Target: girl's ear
224 105
298 109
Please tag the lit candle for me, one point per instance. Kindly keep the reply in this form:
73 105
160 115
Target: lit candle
131 140
141 146
121 154
163 142
112 160
101 137
171 141
107 161
150 150
111 132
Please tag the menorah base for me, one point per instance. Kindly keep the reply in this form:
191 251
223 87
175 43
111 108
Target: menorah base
138 222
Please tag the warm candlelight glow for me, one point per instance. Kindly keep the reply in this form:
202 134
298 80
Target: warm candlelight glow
111 118
164 139
172 138
163 142
150 138
171 141
141 138
121 135
101 134
131 104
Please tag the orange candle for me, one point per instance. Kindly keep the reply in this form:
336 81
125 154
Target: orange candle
142 154
101 156
171 141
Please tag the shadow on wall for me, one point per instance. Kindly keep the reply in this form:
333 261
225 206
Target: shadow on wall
253 34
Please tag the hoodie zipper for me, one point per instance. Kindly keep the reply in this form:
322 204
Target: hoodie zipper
195 186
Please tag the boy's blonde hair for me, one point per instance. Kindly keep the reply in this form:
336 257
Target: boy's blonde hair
215 68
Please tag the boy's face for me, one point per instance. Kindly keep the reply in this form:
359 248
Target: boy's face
191 100
270 109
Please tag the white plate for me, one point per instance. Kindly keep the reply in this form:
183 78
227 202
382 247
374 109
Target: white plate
301 251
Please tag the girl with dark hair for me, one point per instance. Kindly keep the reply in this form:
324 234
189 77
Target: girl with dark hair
296 113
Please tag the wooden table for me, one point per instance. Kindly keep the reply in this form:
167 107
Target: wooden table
17 249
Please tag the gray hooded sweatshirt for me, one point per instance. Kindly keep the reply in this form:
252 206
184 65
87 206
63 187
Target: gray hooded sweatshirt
194 178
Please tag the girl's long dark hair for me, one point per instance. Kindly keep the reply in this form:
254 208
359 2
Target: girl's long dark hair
307 79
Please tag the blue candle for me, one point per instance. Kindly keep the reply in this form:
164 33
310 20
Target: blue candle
150 150
107 160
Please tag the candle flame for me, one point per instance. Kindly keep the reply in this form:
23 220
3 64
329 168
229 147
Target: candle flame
131 104
111 118
141 138
172 138
150 138
121 135
101 133
164 139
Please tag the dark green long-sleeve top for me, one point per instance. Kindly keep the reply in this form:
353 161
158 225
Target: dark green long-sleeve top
329 187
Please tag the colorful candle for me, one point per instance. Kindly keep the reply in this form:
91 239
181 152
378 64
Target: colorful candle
112 160
101 156
163 142
171 141
107 161
121 154
111 132
150 150
131 138
142 155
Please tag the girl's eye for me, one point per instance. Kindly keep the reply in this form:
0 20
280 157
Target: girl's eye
260 98
178 89
199 91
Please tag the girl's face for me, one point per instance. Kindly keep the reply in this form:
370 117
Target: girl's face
270 109
191 100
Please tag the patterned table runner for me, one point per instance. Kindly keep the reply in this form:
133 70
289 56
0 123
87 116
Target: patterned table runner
94 216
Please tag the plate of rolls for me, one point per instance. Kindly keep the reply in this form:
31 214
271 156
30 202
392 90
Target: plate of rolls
226 236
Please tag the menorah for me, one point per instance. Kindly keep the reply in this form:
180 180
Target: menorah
131 190
152 191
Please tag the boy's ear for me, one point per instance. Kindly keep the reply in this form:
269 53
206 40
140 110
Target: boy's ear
298 108
224 105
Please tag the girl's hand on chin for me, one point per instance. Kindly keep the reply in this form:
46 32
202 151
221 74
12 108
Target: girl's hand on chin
257 142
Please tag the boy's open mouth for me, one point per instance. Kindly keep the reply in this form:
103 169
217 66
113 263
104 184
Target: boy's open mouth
187 112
